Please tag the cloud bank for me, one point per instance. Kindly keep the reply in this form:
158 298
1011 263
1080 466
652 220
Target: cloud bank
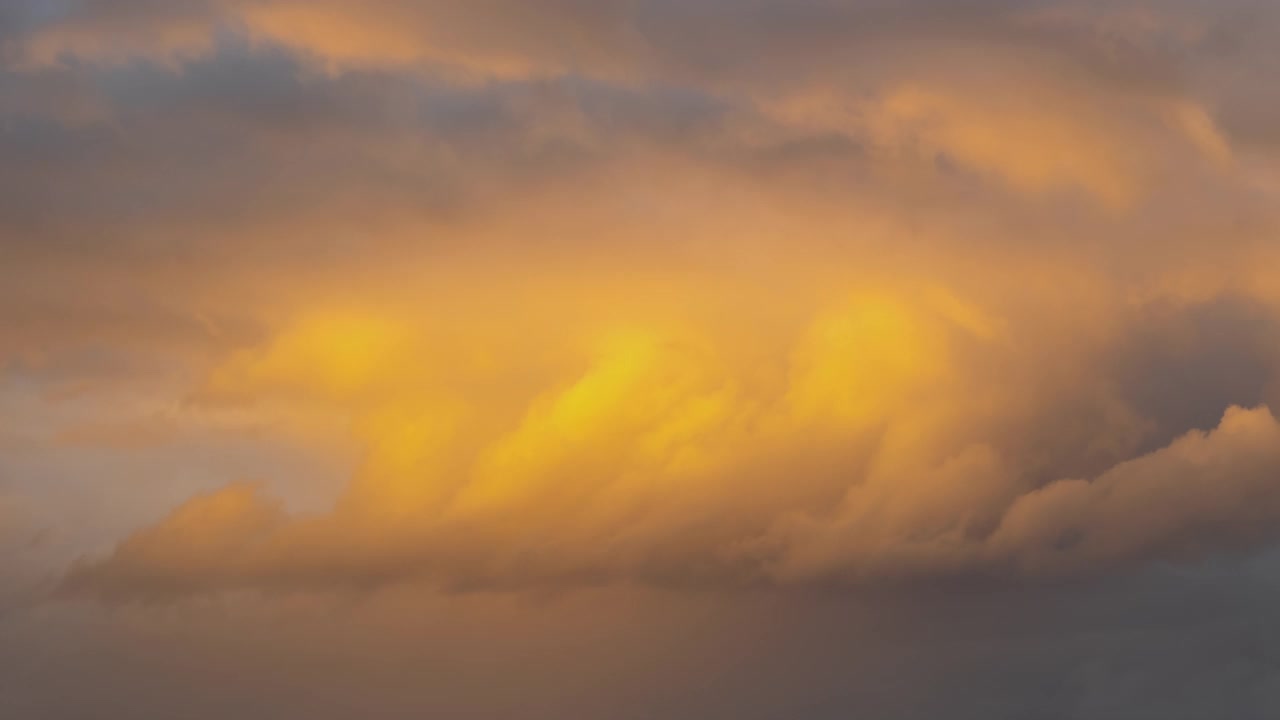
688 294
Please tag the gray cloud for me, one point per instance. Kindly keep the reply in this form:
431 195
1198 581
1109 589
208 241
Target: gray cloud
1074 653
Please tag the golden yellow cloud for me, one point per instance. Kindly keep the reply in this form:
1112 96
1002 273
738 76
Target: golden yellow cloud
596 304
866 441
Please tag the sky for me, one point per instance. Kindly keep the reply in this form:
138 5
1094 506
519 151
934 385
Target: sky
625 359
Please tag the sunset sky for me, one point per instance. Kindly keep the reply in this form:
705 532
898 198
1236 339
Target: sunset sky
630 359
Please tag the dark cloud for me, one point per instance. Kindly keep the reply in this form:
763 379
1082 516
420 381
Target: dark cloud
1159 646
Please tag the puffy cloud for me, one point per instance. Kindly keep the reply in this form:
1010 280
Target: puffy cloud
1204 493
877 448
670 291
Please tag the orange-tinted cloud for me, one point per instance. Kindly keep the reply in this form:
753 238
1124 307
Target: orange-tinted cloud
671 292
876 448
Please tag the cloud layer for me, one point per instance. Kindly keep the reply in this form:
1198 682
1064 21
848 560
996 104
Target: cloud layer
692 294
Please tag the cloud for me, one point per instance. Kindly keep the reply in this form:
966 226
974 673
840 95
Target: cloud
1204 493
813 291
1159 647
916 357
875 450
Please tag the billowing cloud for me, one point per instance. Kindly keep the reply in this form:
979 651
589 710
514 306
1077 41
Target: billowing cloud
680 293
875 446
645 358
